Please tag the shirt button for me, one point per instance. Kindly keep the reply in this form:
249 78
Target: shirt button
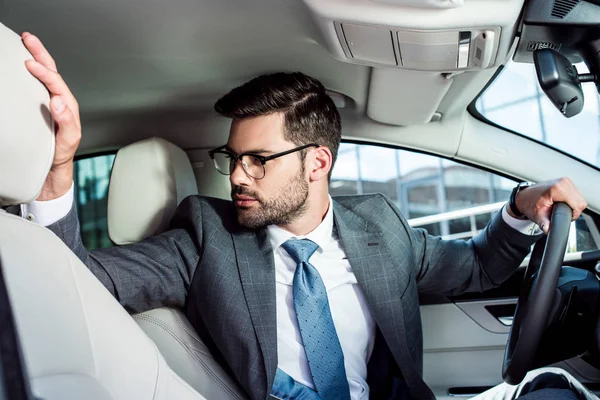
30 217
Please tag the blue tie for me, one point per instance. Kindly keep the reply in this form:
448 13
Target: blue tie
321 343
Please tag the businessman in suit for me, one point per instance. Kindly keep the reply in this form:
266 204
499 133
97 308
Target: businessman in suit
297 294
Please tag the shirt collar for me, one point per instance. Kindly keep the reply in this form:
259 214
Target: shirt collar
320 235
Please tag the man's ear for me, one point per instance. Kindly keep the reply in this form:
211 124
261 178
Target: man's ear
319 163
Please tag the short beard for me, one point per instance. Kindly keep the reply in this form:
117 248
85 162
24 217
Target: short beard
289 205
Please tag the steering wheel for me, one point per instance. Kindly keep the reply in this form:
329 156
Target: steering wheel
537 296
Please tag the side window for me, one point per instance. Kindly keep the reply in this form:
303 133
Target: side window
91 178
448 199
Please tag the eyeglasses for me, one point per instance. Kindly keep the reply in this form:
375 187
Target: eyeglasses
253 164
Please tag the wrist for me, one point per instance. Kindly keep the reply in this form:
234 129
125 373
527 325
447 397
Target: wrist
513 208
509 212
58 182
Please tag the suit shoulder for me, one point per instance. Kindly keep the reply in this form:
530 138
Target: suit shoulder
196 206
375 207
362 199
198 201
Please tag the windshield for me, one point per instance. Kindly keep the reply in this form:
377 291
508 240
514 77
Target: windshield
516 102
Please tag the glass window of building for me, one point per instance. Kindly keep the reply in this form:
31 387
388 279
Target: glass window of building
444 197
91 176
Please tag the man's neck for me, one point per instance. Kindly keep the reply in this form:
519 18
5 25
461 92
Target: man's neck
309 221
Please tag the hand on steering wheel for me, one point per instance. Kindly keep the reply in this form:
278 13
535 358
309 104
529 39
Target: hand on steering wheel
535 302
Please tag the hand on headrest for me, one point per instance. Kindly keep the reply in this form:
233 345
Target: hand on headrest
65 112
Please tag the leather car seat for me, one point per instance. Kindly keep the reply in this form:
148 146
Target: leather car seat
77 341
148 180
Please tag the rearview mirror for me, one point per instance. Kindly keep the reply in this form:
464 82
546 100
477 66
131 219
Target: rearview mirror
559 80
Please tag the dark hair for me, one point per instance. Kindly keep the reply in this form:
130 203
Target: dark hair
309 113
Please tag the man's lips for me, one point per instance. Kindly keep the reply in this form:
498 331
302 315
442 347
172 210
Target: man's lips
243 201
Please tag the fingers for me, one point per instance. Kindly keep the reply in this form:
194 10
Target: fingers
50 78
65 113
542 215
68 133
43 67
537 201
544 224
38 51
565 191
54 83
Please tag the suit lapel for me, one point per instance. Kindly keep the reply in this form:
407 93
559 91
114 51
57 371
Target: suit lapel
257 274
382 280
375 270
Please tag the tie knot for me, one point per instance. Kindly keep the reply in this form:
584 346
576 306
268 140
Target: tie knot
300 249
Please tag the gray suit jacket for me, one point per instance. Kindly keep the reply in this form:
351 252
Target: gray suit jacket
224 277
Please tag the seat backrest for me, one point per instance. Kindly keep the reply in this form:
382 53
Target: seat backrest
77 341
148 180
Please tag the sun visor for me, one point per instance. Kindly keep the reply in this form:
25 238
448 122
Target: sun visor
405 97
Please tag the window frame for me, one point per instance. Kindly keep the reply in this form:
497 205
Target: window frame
472 109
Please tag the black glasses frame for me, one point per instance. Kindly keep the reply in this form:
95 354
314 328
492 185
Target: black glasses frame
235 157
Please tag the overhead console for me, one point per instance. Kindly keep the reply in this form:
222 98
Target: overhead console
439 35
435 50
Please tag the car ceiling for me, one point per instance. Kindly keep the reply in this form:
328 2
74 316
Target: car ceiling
124 56
153 67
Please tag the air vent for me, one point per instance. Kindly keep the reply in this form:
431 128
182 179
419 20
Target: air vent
563 7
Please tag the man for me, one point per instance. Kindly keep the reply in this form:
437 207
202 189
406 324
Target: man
297 295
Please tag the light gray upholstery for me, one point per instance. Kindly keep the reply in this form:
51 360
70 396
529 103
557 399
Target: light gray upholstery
31 137
77 341
149 179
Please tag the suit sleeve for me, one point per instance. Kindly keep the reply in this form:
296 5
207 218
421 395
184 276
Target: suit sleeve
453 267
152 273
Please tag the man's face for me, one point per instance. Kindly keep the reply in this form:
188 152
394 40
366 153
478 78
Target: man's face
281 196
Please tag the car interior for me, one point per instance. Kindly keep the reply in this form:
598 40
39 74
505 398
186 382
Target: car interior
445 106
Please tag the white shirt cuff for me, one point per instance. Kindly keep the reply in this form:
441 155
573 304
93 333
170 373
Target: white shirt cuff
524 226
48 212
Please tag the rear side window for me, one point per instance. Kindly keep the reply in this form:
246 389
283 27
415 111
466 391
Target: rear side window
91 176
446 198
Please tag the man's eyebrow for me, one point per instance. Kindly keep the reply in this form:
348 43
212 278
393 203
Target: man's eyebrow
259 151
252 151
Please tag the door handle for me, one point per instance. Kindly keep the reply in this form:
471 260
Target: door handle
506 321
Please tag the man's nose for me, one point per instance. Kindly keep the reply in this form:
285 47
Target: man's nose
238 176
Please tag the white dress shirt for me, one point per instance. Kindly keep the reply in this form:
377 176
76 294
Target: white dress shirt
352 319
351 316
48 212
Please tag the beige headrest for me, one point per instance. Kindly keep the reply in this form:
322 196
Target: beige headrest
148 181
26 126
